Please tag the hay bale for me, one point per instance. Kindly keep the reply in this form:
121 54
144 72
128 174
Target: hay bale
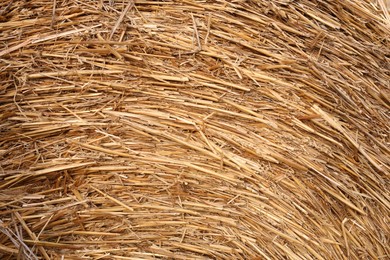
194 129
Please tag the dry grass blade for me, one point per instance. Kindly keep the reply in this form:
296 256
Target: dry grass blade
194 129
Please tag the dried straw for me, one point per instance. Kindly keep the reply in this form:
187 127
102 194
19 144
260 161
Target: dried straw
191 130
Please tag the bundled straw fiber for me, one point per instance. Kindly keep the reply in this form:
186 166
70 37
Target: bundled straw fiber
194 129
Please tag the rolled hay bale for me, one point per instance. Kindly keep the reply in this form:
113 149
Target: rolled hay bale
194 129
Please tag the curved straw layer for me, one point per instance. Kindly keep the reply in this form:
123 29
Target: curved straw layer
194 129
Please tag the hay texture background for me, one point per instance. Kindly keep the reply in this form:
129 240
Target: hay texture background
194 129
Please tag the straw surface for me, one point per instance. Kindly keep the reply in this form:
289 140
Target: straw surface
194 129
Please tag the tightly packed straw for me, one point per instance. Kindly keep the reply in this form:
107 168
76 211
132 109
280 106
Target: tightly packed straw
194 129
